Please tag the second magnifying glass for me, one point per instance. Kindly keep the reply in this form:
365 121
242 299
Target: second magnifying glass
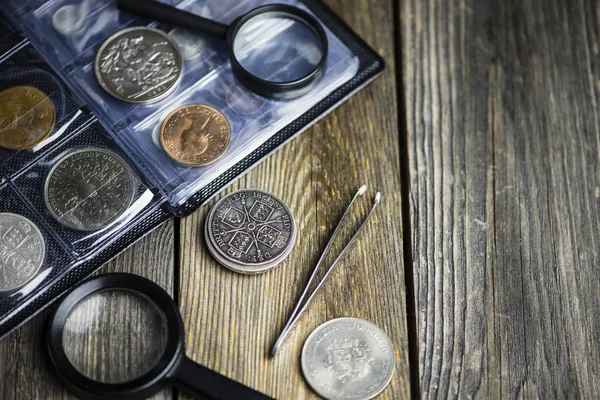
121 336
276 50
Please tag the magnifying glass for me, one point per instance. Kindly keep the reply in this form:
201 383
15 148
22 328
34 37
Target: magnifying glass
276 50
121 336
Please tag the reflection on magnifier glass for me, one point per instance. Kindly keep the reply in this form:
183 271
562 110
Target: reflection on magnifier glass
121 336
276 50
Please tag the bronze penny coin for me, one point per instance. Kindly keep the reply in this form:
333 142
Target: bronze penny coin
27 116
195 134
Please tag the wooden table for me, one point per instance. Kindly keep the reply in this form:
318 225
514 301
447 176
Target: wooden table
481 265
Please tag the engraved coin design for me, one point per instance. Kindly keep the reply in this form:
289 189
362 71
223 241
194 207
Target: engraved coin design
190 45
68 19
89 189
250 231
22 251
195 135
348 358
139 65
27 117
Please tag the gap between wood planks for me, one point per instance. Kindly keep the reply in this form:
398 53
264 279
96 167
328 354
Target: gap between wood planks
409 282
176 274
413 343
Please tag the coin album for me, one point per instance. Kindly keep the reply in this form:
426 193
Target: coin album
48 57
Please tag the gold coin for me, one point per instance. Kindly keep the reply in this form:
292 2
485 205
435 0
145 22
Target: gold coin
195 135
27 116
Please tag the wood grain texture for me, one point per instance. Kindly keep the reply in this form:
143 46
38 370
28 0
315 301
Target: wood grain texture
232 320
25 369
503 139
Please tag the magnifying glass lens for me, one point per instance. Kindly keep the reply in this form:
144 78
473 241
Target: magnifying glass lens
277 47
114 336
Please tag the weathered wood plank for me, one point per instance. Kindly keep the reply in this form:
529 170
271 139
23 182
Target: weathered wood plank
232 320
503 139
25 369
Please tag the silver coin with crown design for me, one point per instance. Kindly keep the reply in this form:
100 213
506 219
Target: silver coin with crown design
139 65
348 359
250 231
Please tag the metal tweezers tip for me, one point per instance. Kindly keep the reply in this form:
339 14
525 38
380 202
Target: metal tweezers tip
377 197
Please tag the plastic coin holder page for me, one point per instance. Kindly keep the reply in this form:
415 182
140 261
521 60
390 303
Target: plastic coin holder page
33 263
205 79
95 174
25 73
31 255
86 218
113 195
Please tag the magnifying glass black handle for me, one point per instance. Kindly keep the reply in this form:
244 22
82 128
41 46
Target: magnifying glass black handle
161 12
195 379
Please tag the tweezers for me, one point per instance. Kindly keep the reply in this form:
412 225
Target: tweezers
302 305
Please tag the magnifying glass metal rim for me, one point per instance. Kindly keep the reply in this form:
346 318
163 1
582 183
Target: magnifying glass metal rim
287 89
140 387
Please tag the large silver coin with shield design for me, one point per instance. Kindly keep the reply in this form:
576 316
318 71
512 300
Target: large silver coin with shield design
22 251
250 231
348 358
89 189
139 65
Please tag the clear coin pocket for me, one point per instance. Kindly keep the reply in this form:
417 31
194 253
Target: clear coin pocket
70 27
30 256
37 110
253 120
87 191
205 78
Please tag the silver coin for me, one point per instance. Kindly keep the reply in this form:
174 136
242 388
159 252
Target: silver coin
190 45
89 189
250 231
348 359
22 251
139 65
245 267
240 268
68 19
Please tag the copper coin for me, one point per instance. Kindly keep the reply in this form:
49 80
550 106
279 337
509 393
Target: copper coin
195 135
27 116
